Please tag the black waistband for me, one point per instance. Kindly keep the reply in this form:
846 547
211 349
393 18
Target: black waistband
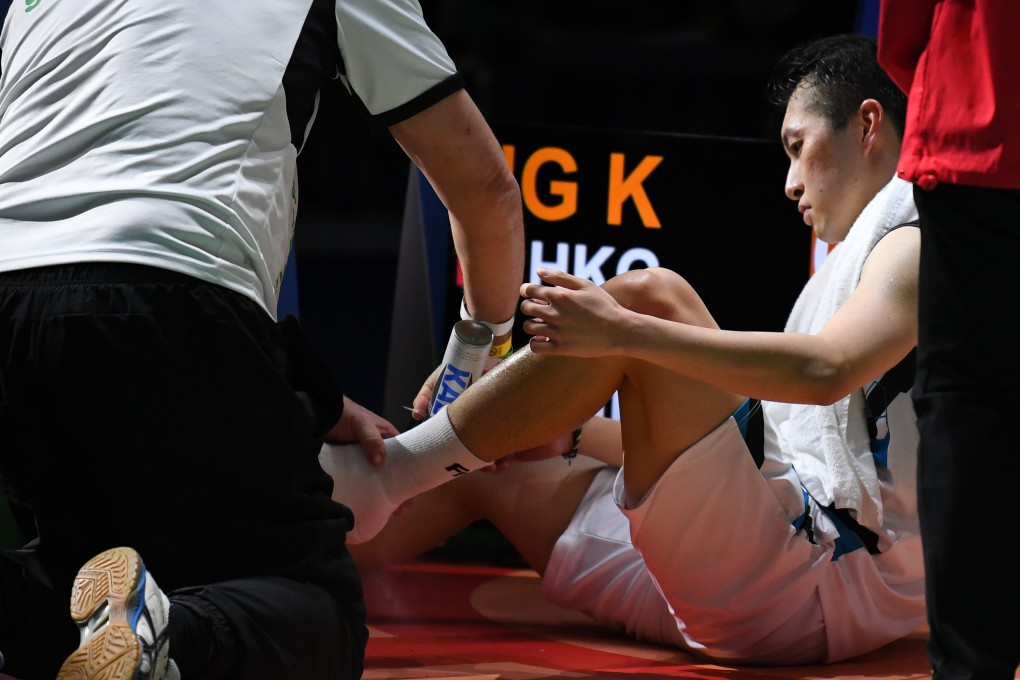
91 272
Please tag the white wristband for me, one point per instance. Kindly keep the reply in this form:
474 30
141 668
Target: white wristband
498 329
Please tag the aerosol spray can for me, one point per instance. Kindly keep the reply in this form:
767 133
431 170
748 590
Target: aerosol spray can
463 363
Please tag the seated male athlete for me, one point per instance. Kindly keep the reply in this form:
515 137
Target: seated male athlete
755 503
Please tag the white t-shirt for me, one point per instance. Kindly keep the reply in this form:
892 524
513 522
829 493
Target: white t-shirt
165 132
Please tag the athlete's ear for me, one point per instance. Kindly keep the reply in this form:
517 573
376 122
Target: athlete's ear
870 119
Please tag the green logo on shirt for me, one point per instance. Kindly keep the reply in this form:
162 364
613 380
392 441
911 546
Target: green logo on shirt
31 4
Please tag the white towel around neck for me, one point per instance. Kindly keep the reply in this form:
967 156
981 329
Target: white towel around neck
829 445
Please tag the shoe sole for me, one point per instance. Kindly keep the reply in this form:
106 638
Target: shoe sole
103 588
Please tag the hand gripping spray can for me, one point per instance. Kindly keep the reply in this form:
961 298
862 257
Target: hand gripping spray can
463 363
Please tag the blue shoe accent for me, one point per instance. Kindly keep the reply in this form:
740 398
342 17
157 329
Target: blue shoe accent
122 616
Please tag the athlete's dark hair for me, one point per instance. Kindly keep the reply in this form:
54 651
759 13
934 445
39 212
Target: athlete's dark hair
842 71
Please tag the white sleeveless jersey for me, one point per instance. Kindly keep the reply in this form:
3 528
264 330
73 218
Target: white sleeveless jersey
165 132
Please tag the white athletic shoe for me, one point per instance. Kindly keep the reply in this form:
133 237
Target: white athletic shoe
122 615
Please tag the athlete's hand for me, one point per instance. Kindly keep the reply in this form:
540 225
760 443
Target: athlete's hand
573 317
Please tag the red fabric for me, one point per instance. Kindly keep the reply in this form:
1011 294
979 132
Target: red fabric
959 63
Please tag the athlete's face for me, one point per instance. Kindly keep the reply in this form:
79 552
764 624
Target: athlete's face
828 176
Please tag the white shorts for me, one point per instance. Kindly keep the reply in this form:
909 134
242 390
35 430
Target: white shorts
710 562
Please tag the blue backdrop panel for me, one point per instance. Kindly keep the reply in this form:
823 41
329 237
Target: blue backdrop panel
288 304
867 17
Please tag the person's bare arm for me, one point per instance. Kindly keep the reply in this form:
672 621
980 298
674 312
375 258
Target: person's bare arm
873 330
455 149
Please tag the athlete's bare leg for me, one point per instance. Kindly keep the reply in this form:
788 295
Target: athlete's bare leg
530 400
531 504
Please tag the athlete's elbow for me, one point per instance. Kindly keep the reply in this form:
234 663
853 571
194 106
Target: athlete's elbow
828 382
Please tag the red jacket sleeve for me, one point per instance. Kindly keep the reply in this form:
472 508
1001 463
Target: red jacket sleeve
904 27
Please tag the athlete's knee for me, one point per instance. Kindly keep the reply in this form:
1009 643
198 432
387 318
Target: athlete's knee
658 292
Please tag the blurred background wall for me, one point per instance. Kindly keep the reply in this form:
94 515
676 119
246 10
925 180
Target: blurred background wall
655 65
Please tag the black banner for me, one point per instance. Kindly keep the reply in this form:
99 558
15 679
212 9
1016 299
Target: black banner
600 202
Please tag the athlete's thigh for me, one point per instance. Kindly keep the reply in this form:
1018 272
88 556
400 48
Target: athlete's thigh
726 558
662 412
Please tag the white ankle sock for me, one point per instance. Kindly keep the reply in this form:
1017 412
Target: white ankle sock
417 460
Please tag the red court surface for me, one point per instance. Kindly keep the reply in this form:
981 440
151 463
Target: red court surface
442 620
475 622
